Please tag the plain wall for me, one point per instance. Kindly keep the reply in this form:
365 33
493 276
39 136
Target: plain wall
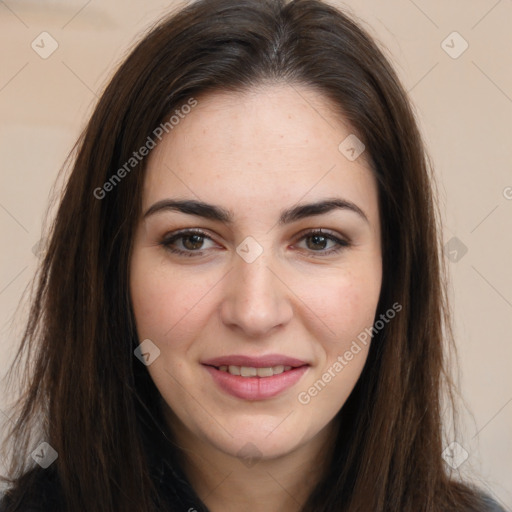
463 104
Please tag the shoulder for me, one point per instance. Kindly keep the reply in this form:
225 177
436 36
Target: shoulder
490 505
35 491
7 505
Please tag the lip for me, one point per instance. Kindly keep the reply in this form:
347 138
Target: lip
255 388
265 361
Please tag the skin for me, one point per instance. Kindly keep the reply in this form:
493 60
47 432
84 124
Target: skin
255 154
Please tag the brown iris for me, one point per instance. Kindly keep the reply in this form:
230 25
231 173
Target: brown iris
193 242
316 242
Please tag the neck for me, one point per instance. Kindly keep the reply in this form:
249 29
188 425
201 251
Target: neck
227 483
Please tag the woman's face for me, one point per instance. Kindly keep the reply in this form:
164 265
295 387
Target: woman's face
258 253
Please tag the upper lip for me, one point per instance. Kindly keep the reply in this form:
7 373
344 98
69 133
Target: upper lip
265 361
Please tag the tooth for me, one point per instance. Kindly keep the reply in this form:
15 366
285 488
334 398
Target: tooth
246 371
234 370
249 371
265 372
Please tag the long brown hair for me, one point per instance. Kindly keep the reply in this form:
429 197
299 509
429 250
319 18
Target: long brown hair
92 400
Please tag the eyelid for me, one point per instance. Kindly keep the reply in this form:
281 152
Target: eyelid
169 238
342 242
186 231
322 231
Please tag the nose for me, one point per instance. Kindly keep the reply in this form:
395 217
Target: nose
256 301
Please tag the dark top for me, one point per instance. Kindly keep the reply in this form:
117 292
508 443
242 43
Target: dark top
491 505
45 496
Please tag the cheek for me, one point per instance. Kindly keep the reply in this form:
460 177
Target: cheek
353 308
344 304
346 308
167 305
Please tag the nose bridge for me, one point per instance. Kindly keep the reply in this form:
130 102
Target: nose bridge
255 301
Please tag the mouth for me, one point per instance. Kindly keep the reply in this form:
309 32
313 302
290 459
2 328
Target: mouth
255 378
258 362
252 371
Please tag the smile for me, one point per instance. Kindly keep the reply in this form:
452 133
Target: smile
251 371
255 383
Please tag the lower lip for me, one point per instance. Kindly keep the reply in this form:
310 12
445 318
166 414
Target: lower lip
256 388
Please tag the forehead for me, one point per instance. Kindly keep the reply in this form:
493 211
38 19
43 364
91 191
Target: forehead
273 144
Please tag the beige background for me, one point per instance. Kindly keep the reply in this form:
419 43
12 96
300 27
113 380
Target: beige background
464 106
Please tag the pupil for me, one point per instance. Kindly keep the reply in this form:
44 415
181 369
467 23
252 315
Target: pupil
317 242
193 242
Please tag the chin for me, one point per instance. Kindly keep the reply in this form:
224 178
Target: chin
258 439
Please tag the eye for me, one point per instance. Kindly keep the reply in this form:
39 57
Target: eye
193 242
321 242
188 243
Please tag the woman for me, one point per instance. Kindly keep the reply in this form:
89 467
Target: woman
241 306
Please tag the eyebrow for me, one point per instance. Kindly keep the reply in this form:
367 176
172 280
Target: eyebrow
319 208
293 214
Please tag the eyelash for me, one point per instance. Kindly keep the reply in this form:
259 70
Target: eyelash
170 239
